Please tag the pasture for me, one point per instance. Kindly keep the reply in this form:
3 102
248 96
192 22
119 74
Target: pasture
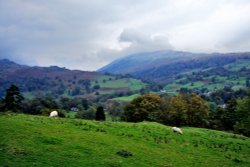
126 98
27 140
110 85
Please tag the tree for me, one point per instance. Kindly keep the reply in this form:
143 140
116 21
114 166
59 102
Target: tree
247 82
176 114
243 116
184 109
13 98
230 115
96 87
115 110
37 106
197 110
145 107
217 118
76 91
100 115
2 104
86 114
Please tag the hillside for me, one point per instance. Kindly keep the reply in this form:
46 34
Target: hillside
166 66
234 75
134 63
57 82
27 140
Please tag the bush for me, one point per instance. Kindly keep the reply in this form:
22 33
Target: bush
86 114
45 111
61 114
124 153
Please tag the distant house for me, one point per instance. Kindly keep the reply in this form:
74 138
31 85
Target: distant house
75 109
163 91
208 93
223 105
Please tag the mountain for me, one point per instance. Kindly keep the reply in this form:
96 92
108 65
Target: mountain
143 61
61 82
166 66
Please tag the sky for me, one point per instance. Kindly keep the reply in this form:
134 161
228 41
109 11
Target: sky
86 35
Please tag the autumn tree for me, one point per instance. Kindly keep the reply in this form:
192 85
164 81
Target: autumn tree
196 110
184 109
176 115
145 107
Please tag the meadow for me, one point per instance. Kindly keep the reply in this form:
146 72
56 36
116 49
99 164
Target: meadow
109 84
28 140
126 98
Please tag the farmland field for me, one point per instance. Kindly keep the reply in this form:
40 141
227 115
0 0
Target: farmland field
126 98
110 84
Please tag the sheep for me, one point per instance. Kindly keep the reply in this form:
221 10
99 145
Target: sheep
53 114
178 130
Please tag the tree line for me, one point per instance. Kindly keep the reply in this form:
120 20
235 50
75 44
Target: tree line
185 109
191 110
15 102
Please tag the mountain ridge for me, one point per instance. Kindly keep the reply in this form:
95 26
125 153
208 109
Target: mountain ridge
57 81
167 64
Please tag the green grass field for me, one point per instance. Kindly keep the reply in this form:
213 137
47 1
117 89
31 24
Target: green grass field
109 84
27 140
237 66
235 81
70 114
126 98
222 82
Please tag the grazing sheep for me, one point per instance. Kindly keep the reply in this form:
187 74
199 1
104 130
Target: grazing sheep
53 114
178 130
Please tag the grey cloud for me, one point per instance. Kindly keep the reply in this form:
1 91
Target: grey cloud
88 34
143 42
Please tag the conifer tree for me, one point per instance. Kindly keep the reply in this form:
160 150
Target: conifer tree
13 98
100 116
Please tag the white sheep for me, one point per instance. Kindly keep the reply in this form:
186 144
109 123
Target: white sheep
53 114
178 130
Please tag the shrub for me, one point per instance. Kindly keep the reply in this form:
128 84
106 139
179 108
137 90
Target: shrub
61 114
86 114
124 153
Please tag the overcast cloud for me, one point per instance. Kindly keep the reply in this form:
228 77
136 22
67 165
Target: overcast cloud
81 34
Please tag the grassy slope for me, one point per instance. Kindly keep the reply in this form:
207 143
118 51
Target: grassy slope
110 86
126 98
39 141
236 83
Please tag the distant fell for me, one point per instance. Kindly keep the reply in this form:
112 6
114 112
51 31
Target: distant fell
164 66
59 82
